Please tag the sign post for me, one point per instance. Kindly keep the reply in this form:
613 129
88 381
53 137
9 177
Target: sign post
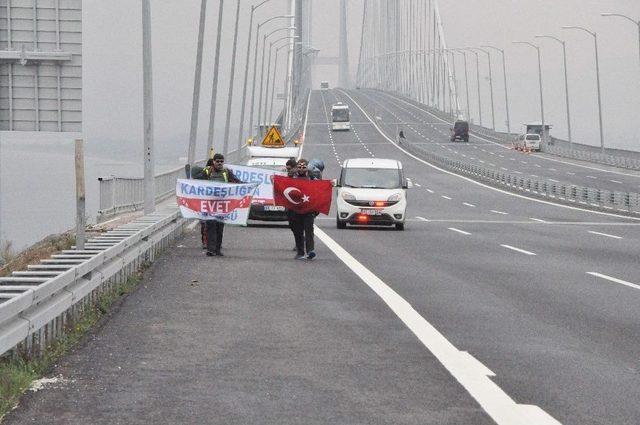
80 195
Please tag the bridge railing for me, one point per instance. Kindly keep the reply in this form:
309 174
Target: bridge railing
597 157
124 194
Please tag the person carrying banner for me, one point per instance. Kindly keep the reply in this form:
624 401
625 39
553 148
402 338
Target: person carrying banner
198 173
214 228
302 223
291 165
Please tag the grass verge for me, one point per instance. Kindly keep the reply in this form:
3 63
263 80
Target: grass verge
17 373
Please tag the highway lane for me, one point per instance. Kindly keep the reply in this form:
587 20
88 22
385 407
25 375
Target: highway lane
555 336
428 130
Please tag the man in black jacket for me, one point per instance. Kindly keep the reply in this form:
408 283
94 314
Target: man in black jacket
215 229
302 224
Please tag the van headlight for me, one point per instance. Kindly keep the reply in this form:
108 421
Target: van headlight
348 196
394 198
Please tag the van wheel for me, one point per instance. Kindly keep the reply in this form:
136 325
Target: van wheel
341 224
399 226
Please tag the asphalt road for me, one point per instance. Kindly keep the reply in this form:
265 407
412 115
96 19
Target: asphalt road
489 308
432 133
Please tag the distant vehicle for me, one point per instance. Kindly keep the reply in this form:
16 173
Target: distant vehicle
324 85
371 191
528 141
460 131
340 117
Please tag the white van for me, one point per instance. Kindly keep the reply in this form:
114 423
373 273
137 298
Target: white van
324 85
371 191
528 141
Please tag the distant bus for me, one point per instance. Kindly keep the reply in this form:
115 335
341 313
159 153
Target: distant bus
340 117
324 85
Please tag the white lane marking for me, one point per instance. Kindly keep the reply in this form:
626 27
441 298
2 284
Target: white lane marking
481 161
554 180
499 212
605 234
445 197
505 169
591 177
539 166
477 183
417 185
570 173
615 181
459 231
552 169
513 248
613 279
422 218
533 175
468 371
517 172
429 190
468 204
538 220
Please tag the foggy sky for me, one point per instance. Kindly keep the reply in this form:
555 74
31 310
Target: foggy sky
113 62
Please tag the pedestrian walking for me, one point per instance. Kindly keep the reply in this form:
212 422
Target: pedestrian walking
291 165
302 224
215 229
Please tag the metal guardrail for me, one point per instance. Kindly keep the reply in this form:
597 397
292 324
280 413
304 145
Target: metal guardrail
36 304
620 202
597 157
123 194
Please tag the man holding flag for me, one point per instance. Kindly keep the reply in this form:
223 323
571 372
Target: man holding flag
305 198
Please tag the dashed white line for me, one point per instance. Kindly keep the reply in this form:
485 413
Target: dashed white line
553 180
615 181
458 230
570 173
445 197
500 212
613 279
468 204
429 190
422 218
417 185
538 220
513 248
591 177
605 234
552 169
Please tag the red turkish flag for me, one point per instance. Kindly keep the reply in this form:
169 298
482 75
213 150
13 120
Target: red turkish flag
302 195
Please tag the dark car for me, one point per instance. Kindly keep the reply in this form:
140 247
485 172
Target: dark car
460 131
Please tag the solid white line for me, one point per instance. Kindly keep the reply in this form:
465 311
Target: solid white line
445 197
605 234
422 218
477 183
458 230
468 204
499 212
468 371
518 249
613 279
538 220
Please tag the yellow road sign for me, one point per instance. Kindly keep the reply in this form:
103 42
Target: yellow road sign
273 139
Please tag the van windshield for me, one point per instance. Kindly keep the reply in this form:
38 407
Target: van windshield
533 137
340 115
374 178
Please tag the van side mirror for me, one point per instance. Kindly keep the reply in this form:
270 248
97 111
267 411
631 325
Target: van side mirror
406 184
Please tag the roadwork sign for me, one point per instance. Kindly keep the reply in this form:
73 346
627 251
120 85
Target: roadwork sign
273 139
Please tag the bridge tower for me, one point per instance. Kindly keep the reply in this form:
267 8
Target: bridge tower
343 65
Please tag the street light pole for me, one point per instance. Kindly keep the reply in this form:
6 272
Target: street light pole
147 103
246 74
543 136
478 81
493 111
225 146
595 41
506 89
214 89
266 117
466 79
195 106
566 82
630 19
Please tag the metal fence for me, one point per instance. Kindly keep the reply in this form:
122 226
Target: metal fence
37 305
612 201
122 194
585 155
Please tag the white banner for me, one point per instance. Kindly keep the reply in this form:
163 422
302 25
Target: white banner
262 177
213 200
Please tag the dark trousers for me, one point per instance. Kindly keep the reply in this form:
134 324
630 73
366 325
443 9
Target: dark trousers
214 235
302 226
203 232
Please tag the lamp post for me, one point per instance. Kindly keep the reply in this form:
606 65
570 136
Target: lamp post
266 98
493 111
147 106
264 41
595 42
227 121
540 83
506 90
214 87
195 105
466 79
255 65
630 19
566 82
263 112
246 73
478 81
